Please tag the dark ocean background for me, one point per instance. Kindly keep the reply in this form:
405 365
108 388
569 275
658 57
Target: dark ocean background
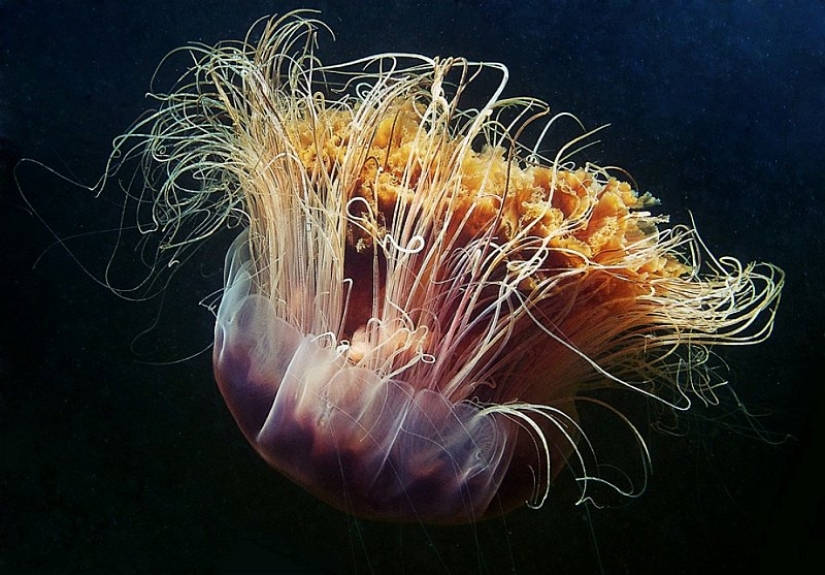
117 454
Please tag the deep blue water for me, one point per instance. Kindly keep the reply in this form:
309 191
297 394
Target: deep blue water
116 460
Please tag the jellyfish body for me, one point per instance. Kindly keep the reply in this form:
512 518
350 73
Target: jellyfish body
376 446
419 301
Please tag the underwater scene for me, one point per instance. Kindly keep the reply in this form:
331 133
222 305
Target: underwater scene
442 287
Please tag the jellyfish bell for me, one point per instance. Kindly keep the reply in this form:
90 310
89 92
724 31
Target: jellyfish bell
419 301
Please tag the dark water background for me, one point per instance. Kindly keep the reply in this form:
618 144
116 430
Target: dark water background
114 460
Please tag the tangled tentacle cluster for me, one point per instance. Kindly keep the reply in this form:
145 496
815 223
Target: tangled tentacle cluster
423 240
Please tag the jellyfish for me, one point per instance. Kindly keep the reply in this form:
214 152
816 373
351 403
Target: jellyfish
421 298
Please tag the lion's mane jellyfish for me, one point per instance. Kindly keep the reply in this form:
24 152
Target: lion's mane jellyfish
420 302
